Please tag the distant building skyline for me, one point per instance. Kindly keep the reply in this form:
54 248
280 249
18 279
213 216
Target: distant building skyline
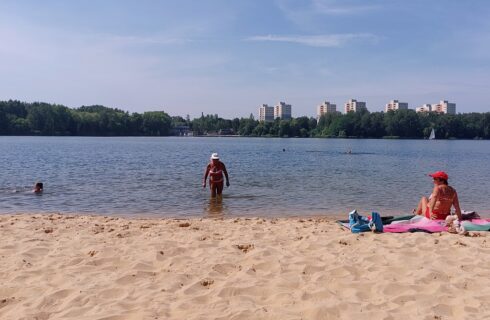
444 107
426 107
396 105
324 108
266 113
352 105
282 111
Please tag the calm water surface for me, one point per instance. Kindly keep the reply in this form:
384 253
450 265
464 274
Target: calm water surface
162 176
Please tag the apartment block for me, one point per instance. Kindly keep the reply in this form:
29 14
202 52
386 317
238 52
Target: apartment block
396 105
266 113
282 111
324 108
354 105
424 108
444 107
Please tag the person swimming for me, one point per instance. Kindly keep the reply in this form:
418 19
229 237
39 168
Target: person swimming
38 187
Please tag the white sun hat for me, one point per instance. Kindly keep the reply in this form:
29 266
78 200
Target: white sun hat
215 156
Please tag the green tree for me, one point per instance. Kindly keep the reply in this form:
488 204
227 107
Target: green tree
50 119
4 123
284 128
156 123
247 125
19 126
259 130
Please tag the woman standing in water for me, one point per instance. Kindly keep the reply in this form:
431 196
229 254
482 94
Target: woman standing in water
215 169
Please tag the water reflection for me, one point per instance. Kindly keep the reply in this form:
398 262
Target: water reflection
215 206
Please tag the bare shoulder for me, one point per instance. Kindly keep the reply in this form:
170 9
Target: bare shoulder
435 190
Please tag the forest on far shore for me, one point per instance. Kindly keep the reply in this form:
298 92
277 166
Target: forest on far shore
22 118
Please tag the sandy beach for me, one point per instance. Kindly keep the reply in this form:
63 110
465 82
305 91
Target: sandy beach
95 267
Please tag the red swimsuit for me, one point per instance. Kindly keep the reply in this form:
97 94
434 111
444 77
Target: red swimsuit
444 196
439 215
216 174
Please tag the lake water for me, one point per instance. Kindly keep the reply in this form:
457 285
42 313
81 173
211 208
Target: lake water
162 176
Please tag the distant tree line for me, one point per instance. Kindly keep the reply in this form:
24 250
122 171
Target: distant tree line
404 124
20 118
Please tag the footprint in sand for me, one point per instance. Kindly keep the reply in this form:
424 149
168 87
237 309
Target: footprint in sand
54 299
343 242
98 229
313 269
160 255
113 293
207 282
245 247
40 316
35 253
5 301
127 279
225 268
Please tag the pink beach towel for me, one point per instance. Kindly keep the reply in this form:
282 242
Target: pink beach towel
421 224
480 221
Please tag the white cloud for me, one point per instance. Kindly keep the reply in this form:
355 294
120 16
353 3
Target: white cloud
306 14
329 40
143 40
332 7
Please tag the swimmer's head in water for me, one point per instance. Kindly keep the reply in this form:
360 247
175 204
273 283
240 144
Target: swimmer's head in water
38 187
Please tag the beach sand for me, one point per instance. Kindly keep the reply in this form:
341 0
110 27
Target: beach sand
94 267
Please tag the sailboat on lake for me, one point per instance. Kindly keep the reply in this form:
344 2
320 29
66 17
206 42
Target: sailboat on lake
432 134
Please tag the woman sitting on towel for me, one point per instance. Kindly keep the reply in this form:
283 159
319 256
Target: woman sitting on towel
443 197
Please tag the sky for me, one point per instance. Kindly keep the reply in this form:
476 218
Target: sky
228 57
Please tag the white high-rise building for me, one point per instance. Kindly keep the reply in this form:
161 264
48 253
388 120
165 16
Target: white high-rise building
324 108
282 111
266 113
396 105
354 105
444 107
424 108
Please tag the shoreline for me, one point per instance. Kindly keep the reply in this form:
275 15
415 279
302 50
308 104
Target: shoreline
264 137
328 216
105 267
168 216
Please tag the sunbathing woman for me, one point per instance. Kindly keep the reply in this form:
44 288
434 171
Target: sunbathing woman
443 197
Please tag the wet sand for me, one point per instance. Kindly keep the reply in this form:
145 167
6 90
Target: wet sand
94 267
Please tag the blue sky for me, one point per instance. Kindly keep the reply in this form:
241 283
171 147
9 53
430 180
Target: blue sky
228 57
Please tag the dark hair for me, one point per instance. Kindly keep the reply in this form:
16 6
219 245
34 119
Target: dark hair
39 185
444 181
